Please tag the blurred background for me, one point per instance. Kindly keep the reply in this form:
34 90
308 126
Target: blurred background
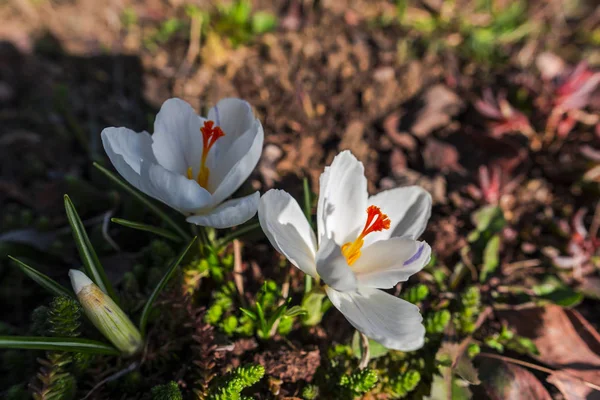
484 103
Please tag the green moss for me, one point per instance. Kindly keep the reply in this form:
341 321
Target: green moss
168 391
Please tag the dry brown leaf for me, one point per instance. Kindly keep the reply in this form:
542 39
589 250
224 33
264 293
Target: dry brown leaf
567 343
502 380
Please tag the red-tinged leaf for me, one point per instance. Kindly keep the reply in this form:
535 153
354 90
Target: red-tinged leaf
566 342
501 380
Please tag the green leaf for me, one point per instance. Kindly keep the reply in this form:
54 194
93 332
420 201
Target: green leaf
91 263
489 219
57 344
138 196
555 291
249 313
147 228
263 22
491 258
161 285
376 349
295 311
41 279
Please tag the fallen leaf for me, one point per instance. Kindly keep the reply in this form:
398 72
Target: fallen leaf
502 380
566 342
440 105
442 156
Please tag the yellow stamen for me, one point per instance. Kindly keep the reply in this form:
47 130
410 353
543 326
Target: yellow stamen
351 250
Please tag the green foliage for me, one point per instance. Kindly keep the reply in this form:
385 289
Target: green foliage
506 338
64 317
416 294
436 321
16 392
230 386
236 22
359 382
405 383
470 307
266 314
168 391
316 303
56 382
310 392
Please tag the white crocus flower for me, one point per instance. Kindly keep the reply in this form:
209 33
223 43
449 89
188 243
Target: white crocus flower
193 164
359 249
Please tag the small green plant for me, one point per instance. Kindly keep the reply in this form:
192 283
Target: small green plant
237 22
470 307
230 386
168 391
266 314
405 383
358 383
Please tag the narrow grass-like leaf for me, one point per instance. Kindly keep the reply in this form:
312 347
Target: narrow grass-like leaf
161 285
43 280
91 263
248 313
237 233
57 344
147 228
137 195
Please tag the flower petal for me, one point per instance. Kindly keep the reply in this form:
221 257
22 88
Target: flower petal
288 230
229 157
391 321
235 117
177 137
408 208
387 262
247 157
230 213
175 190
333 267
341 210
126 150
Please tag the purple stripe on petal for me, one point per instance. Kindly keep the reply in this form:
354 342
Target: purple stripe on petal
416 256
218 121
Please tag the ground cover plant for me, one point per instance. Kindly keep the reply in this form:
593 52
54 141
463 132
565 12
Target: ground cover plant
299 199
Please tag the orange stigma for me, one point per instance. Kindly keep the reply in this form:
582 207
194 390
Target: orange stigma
210 134
376 222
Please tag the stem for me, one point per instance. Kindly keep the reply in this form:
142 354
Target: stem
154 209
366 355
308 283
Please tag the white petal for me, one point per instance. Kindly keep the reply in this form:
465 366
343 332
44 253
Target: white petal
408 208
177 137
342 206
230 213
126 150
175 190
79 280
333 267
229 157
387 262
391 321
288 230
244 166
235 117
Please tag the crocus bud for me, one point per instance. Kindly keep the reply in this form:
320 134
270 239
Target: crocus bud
105 314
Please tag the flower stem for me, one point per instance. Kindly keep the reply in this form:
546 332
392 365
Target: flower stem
308 283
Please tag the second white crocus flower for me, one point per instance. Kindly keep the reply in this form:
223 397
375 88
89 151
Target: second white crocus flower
364 244
193 164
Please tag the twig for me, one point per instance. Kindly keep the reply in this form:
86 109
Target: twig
105 234
521 264
238 279
113 377
538 368
366 354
